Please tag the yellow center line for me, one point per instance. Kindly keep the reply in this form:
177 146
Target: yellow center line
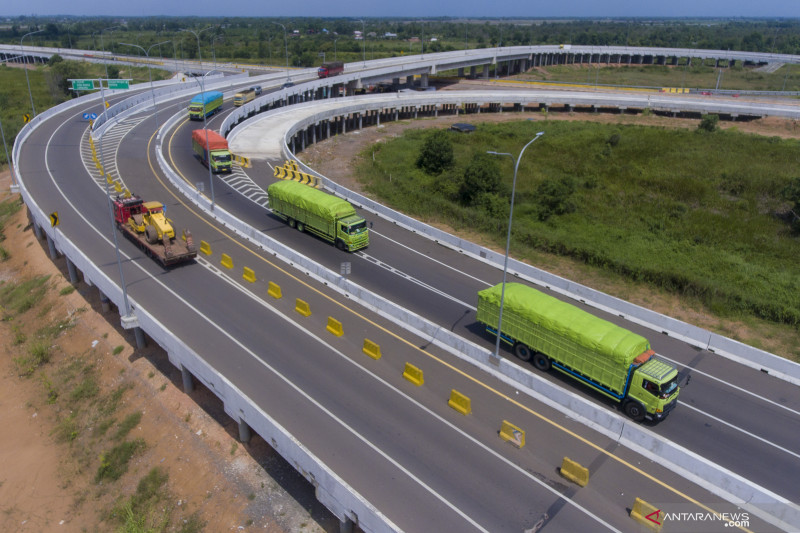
408 343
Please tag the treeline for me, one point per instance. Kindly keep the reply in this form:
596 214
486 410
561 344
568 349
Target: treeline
310 40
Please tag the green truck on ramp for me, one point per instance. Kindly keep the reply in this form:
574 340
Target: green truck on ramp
554 334
322 214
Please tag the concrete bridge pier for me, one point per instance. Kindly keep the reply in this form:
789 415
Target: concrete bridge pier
73 272
105 303
244 432
186 377
52 247
346 525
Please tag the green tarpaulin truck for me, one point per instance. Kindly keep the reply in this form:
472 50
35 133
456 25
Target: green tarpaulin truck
205 104
325 215
616 362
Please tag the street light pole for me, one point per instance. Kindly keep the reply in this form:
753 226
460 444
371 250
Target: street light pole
149 73
286 45
508 238
25 62
364 39
102 46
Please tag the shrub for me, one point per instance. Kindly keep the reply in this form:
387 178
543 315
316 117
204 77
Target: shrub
481 177
554 197
436 154
709 123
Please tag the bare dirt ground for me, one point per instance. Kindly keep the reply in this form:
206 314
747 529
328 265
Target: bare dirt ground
47 485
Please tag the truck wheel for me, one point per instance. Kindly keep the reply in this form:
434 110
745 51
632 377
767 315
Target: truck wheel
151 234
635 411
340 244
291 222
522 352
541 362
301 226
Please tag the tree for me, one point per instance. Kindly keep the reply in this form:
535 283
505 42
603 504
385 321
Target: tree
481 177
436 155
709 123
554 197
792 194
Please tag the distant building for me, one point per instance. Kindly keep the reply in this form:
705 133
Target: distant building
390 35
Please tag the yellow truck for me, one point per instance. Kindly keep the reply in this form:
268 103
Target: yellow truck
241 98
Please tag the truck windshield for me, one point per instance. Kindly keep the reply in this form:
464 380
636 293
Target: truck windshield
221 158
355 229
669 387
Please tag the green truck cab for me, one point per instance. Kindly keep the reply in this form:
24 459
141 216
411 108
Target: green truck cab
322 214
608 358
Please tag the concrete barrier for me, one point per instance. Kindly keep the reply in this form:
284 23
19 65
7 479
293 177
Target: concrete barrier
459 402
334 327
414 375
574 472
274 290
647 515
371 349
511 433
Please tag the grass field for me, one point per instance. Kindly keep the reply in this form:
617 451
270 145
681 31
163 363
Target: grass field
697 76
697 214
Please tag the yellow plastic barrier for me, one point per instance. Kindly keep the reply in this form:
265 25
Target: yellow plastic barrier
226 261
413 374
574 472
511 433
108 179
459 402
249 275
371 349
274 290
301 306
647 515
205 247
335 327
280 173
117 186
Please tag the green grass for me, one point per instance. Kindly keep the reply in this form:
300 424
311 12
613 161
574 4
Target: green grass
38 354
114 463
694 213
69 289
118 350
125 427
697 76
16 298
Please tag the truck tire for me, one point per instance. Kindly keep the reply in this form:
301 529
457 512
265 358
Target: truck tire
635 410
291 222
522 352
340 244
301 227
151 234
541 362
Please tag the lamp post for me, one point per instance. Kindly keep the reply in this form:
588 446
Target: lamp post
25 60
286 45
102 46
213 50
334 48
508 238
197 36
364 39
149 74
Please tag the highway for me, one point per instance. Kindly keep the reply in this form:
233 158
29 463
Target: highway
421 463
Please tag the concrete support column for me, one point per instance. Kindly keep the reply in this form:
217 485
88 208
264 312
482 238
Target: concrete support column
416 111
360 121
244 432
37 230
105 303
485 73
396 115
410 81
346 525
314 134
460 72
435 110
423 81
344 124
472 72
377 117
52 246
138 334
73 272
186 377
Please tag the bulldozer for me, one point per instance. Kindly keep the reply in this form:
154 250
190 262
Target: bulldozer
148 225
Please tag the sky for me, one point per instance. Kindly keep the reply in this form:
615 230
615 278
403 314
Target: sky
410 8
